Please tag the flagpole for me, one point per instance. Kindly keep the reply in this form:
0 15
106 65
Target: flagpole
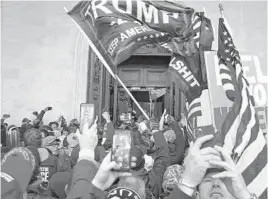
221 10
93 47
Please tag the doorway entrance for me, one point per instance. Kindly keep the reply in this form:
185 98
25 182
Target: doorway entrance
154 109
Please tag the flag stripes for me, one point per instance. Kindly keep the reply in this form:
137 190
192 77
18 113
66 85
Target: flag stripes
243 137
251 152
246 129
255 167
197 29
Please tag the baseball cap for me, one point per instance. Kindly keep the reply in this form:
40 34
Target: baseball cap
13 180
171 177
72 140
26 120
49 140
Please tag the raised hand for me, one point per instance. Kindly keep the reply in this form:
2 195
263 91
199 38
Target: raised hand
198 161
89 138
231 177
107 173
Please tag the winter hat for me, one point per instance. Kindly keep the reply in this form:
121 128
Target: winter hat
33 137
123 193
13 180
171 177
170 136
58 182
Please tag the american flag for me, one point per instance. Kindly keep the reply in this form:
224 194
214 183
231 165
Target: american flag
198 109
156 93
244 139
199 115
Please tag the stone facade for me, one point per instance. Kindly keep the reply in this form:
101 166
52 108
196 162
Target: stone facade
46 61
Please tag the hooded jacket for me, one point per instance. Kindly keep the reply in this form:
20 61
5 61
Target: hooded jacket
153 178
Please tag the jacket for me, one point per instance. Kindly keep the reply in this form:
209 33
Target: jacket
81 186
179 146
153 179
178 194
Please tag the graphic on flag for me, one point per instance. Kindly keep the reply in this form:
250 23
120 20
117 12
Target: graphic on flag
118 28
243 138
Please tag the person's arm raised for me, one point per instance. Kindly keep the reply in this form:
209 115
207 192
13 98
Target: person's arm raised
195 166
233 179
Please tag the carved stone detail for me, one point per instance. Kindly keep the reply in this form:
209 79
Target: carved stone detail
96 84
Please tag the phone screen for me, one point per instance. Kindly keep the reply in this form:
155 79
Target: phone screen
121 148
86 114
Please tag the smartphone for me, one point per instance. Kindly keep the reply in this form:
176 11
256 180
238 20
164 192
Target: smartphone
121 148
87 112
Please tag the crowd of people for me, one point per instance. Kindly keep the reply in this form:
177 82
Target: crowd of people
74 162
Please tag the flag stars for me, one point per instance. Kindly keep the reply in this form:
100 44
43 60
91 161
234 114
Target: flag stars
139 39
230 45
227 51
151 36
225 41
145 37
225 33
229 38
162 34
228 59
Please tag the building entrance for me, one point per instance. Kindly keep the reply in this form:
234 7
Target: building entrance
153 108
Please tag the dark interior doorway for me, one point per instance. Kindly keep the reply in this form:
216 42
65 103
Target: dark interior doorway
143 99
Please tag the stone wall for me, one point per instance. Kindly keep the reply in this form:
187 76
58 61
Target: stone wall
45 58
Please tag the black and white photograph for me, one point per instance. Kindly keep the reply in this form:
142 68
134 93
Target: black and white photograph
144 99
